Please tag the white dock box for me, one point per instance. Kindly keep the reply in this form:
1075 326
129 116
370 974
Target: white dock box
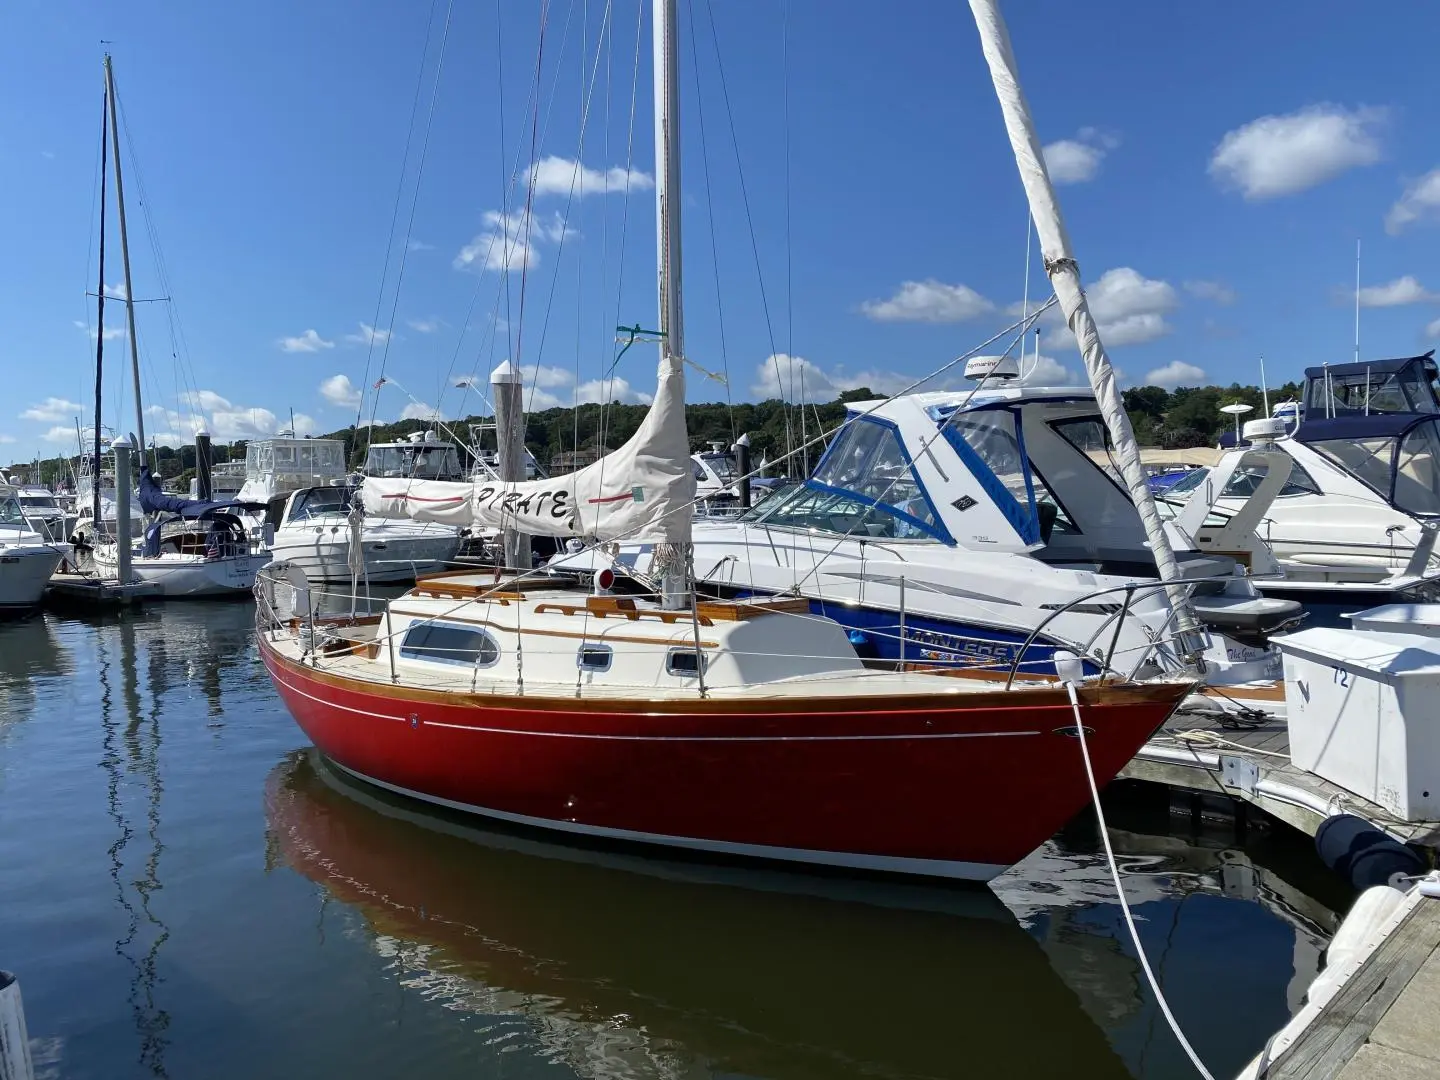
1364 713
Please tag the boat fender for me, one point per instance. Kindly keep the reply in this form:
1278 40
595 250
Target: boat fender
1354 937
1363 854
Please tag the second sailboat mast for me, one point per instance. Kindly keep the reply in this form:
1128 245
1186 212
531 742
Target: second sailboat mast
125 257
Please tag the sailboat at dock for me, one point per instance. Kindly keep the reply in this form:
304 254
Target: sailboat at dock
201 548
746 728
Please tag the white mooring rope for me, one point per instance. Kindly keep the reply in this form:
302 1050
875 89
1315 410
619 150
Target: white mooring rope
1120 890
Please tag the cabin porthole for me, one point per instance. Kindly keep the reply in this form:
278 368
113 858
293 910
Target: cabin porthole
594 657
686 663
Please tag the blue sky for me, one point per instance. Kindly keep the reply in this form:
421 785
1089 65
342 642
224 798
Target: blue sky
1219 169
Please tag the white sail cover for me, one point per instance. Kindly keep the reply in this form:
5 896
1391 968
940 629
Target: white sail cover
645 490
1065 278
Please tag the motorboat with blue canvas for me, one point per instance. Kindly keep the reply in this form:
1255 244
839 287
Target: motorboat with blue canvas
985 527
1356 521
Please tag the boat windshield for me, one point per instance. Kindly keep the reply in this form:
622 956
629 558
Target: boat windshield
422 461
723 465
10 512
38 501
864 486
1405 470
1408 390
317 502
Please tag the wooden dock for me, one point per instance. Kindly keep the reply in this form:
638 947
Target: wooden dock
76 591
1380 1023
1211 759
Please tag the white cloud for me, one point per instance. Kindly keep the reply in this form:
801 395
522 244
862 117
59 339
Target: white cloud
545 375
225 420
116 292
204 399
51 410
111 332
424 326
1433 330
1280 155
338 390
309 341
1215 291
1046 371
929 301
1419 204
506 244
420 245
1074 161
60 433
559 176
418 410
7 438
368 335
1176 373
1401 291
1128 308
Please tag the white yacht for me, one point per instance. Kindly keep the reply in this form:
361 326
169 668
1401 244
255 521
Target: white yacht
318 529
27 559
1356 520
43 511
309 496
977 528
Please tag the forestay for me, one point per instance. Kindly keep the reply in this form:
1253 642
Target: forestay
644 490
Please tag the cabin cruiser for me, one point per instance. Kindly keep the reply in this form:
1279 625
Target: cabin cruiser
43 511
27 559
987 528
191 547
319 529
226 480
422 457
1356 520
280 465
100 473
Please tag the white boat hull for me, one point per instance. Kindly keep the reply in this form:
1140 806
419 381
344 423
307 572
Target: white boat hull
392 553
24 574
178 576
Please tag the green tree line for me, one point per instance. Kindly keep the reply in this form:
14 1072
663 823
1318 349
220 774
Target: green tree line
1185 417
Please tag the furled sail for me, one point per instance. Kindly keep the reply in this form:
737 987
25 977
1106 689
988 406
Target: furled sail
1064 276
643 490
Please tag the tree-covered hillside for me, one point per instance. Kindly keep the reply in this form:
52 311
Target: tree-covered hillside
1188 416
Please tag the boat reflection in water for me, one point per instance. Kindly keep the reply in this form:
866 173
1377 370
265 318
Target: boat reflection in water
621 966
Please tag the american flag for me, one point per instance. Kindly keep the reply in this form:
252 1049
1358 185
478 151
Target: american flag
379 383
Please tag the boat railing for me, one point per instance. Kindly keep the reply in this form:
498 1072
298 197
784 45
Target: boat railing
1105 656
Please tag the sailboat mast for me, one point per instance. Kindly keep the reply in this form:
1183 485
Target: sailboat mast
667 182
675 585
95 521
1064 273
125 256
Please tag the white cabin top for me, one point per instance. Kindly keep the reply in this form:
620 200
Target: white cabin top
421 457
279 465
1004 468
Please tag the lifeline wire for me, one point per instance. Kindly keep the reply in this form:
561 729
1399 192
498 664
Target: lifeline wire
1120 891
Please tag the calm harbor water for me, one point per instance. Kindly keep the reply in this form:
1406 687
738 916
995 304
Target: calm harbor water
188 892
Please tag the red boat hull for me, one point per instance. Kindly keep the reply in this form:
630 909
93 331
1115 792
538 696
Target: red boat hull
960 785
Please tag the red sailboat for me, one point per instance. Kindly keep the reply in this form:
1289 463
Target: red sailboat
746 729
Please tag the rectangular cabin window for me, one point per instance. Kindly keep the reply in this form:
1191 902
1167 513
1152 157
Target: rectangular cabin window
686 663
446 643
595 657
